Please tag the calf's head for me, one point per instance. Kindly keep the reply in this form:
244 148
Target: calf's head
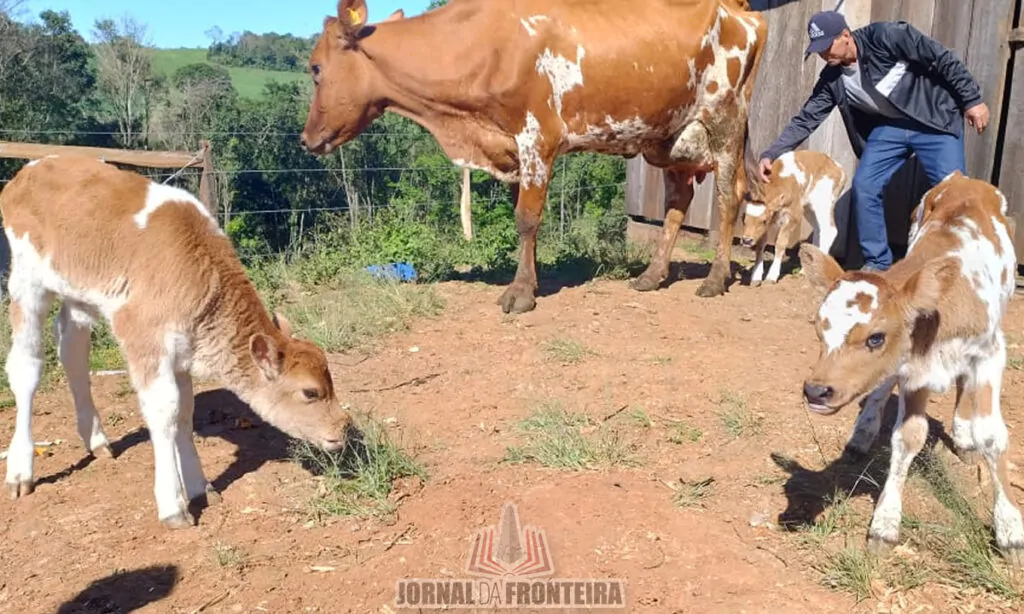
295 392
345 98
866 325
757 218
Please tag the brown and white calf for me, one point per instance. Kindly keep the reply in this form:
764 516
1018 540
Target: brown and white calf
153 262
931 321
805 184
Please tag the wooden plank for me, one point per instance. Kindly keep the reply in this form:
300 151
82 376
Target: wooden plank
152 159
1011 174
884 10
988 53
1016 36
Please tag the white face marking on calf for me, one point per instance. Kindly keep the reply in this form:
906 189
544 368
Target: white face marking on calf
843 311
530 22
754 210
790 168
533 170
563 74
158 194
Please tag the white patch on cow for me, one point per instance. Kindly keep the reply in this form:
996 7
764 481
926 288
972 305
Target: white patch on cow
754 210
533 170
820 201
1002 202
613 136
843 311
563 74
790 168
530 23
982 266
158 195
38 160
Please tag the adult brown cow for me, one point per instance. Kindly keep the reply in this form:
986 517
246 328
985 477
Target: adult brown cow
506 86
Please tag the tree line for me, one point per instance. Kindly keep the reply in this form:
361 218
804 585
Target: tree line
389 195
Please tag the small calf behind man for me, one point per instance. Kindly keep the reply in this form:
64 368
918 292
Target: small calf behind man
806 185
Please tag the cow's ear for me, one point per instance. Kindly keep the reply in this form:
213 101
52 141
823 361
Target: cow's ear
352 18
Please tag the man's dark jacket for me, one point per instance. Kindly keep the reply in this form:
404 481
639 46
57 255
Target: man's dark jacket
935 90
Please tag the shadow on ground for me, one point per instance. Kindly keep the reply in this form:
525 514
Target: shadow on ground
123 592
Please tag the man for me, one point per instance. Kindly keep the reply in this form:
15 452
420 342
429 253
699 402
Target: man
898 92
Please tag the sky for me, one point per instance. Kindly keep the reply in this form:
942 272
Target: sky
183 23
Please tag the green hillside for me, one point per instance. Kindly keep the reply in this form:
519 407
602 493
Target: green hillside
248 81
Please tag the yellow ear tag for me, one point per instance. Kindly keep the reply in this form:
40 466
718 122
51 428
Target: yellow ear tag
353 17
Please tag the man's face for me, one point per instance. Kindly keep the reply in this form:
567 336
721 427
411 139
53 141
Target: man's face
842 52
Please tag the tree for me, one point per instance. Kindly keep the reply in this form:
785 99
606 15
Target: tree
124 73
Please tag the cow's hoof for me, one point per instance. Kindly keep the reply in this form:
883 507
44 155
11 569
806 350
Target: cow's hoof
20 489
710 288
518 298
645 283
755 283
103 451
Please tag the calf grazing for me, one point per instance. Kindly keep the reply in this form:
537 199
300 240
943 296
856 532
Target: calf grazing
150 260
507 86
805 184
933 319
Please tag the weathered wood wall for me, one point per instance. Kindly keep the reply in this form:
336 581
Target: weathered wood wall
979 31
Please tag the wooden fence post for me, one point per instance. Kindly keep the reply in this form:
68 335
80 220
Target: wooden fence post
208 182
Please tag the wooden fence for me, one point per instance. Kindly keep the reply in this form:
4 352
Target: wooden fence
177 160
985 34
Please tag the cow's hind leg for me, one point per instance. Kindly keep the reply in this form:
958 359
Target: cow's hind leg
73 326
678 196
730 183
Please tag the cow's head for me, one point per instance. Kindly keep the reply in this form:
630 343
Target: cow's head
344 97
866 325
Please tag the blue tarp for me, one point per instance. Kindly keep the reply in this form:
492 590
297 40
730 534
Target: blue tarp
401 271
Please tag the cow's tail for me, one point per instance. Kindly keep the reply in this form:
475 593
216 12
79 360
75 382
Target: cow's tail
465 211
754 184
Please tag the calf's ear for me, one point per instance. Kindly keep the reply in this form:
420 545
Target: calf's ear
923 292
820 268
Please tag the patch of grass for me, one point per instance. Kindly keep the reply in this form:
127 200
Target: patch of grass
226 555
1015 362
349 309
967 545
681 432
837 511
566 351
851 569
736 416
640 417
692 494
698 250
248 82
359 482
569 440
768 479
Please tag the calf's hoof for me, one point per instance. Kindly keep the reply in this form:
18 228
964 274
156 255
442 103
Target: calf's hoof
518 298
104 451
1014 555
755 283
212 496
20 489
181 520
879 547
645 283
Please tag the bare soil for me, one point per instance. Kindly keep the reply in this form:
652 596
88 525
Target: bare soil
657 367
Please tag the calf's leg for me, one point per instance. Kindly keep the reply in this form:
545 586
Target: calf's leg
73 326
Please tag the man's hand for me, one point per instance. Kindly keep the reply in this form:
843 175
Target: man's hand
764 167
977 116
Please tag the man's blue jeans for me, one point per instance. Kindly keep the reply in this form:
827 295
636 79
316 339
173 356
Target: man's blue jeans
888 147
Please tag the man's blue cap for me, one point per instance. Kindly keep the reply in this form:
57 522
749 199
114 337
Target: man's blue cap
822 29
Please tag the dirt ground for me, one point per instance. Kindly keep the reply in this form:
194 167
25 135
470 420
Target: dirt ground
661 368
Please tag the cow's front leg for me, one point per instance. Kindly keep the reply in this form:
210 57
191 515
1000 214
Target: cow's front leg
678 196
519 296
